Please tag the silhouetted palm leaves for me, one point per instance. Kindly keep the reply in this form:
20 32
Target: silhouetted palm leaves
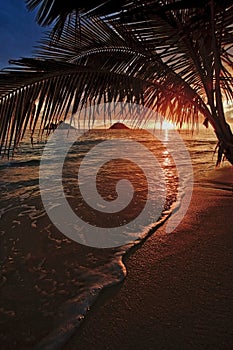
172 56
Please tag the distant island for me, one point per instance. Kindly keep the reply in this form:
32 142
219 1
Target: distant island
61 124
118 126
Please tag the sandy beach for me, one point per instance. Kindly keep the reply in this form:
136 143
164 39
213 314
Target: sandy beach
116 117
178 291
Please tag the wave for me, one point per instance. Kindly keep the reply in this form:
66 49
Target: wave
20 164
73 311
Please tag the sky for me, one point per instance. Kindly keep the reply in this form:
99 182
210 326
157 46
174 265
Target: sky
18 31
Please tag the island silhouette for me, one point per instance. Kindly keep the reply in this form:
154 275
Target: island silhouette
118 125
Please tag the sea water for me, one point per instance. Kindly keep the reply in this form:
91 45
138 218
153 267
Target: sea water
52 279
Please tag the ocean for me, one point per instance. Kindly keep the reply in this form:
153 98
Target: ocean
49 278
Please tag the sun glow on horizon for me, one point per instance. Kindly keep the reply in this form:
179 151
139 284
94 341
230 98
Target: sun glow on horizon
166 125
161 125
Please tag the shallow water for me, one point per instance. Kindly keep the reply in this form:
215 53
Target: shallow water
47 276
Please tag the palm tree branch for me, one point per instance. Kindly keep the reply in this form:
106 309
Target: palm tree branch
57 89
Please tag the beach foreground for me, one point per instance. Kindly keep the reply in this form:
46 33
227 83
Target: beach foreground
178 292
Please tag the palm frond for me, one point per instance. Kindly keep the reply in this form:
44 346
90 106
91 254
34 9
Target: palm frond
45 91
46 95
158 53
58 13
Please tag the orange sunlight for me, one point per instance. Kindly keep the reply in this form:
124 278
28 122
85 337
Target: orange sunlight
166 125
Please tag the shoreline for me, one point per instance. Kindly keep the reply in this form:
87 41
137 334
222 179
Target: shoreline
40 280
178 290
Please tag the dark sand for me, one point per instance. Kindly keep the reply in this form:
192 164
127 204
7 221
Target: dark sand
40 269
179 291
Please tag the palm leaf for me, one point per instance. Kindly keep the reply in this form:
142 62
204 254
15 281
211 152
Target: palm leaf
172 56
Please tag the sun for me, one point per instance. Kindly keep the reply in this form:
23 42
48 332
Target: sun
166 125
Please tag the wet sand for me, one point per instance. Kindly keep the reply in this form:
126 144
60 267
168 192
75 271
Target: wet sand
178 293
40 271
